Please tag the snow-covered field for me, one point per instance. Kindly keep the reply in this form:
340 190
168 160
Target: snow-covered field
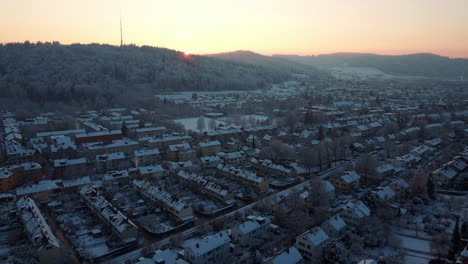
415 244
191 123
349 72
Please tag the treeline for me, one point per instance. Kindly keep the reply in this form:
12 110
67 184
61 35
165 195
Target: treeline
102 75
422 64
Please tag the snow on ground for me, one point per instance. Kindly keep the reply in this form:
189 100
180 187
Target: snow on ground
191 123
414 233
415 244
349 72
415 260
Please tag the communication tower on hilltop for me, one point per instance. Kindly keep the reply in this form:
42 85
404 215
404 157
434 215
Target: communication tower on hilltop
121 35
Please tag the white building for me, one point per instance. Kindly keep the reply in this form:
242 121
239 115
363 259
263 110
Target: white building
311 242
208 250
44 242
255 227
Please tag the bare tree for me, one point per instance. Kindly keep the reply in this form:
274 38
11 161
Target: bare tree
440 244
212 124
201 124
419 182
365 165
308 159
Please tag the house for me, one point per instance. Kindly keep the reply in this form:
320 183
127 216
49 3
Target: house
70 168
354 212
384 171
400 187
157 194
233 144
422 151
289 256
75 184
145 157
111 161
39 191
433 143
209 148
106 136
121 145
119 224
210 161
19 174
268 166
347 182
112 177
385 194
407 160
208 250
457 165
237 157
166 256
150 172
180 152
45 243
150 132
330 189
253 141
311 242
207 186
255 227
335 226
244 176
444 175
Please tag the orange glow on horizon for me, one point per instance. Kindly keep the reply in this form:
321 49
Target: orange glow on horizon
302 27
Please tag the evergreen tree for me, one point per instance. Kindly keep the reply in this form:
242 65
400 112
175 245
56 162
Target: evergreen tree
464 230
430 188
124 129
321 133
332 254
141 124
455 241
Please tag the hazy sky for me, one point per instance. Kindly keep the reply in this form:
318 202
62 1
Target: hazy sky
264 26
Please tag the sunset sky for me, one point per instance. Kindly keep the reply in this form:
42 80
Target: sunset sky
265 26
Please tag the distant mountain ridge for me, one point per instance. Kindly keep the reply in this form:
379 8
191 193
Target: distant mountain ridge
277 63
418 64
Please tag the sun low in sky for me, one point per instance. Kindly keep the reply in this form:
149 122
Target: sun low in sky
265 26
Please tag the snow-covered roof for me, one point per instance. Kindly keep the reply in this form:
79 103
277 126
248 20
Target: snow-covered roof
384 168
289 256
446 172
158 193
150 129
99 133
317 236
151 169
178 147
35 224
69 162
110 156
146 152
350 176
337 222
386 193
240 173
210 144
200 246
107 210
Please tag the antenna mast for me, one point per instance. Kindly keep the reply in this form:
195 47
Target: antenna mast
121 35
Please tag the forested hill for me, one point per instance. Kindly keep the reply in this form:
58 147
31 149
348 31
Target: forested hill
422 64
103 74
